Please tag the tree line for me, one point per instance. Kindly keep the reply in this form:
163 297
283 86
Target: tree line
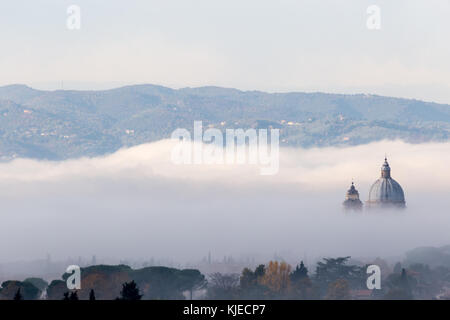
333 278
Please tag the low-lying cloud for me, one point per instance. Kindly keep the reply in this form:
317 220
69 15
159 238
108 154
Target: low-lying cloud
137 204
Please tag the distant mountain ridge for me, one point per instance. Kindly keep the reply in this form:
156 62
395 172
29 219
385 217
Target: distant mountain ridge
66 124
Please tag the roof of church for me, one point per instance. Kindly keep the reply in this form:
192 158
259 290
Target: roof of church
386 189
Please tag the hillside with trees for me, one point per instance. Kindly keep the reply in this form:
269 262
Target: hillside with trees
68 124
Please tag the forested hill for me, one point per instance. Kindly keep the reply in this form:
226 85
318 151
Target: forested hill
66 124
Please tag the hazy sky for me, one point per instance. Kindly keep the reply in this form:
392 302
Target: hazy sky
136 204
254 44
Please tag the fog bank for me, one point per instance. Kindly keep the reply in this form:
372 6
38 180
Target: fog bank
137 204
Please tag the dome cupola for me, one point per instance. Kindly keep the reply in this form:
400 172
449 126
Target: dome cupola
386 192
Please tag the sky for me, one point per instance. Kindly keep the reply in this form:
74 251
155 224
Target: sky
285 45
136 204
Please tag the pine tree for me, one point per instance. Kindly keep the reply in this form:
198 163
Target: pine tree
92 295
302 287
130 291
73 296
18 295
404 283
400 288
300 272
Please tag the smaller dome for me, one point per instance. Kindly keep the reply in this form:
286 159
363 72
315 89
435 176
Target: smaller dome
352 201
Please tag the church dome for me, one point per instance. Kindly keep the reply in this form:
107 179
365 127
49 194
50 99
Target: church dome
386 191
352 201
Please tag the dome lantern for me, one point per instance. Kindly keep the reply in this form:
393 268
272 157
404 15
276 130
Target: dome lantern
385 169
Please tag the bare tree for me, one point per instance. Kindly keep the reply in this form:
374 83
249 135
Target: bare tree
222 286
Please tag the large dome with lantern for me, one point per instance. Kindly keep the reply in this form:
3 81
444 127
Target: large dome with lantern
386 192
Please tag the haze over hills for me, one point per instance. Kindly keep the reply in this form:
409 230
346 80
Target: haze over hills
66 124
